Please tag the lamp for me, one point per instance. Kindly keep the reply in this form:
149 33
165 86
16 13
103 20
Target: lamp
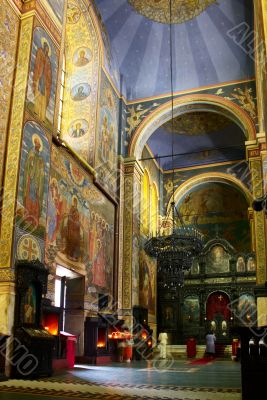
174 252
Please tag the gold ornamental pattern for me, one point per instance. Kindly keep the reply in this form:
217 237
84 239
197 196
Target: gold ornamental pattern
182 10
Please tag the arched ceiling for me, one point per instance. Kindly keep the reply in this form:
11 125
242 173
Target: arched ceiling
199 138
204 53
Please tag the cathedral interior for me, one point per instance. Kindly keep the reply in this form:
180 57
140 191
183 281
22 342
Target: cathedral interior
133 168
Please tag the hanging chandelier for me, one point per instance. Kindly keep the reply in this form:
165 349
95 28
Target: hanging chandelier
176 250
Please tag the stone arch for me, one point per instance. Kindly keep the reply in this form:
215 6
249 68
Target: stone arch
212 177
186 104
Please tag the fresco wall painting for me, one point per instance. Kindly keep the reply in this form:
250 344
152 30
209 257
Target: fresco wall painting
32 193
80 226
81 83
8 45
42 80
107 137
33 180
147 295
218 210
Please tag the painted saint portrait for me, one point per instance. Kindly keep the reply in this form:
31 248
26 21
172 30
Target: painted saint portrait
147 282
72 230
195 267
240 264
107 137
82 56
217 260
33 181
43 75
191 310
251 264
54 211
247 309
80 92
30 305
168 317
78 128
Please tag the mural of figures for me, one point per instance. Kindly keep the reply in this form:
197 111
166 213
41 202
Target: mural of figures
218 208
147 282
217 260
191 310
240 264
80 225
247 309
43 77
33 180
80 100
82 57
107 142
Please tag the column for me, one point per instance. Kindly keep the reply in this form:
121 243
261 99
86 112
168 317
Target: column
132 192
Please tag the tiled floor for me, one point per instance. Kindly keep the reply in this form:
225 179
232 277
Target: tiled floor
218 380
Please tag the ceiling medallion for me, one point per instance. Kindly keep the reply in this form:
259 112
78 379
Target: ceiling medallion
159 10
197 123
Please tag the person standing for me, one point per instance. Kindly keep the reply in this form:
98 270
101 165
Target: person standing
163 339
210 344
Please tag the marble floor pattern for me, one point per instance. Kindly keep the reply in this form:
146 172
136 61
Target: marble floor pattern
218 380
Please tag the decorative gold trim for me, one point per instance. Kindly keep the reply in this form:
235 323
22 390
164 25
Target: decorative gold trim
219 164
7 275
259 218
14 143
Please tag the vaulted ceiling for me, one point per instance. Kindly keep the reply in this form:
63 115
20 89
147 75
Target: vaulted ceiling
204 52
199 138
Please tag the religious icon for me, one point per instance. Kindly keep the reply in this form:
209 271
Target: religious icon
251 264
78 131
33 184
82 57
240 264
218 260
72 234
30 305
98 269
224 328
80 92
213 326
42 79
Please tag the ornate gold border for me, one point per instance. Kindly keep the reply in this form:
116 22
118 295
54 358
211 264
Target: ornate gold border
14 142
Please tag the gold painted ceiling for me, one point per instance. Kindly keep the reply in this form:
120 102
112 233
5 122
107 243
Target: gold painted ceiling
159 10
197 123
